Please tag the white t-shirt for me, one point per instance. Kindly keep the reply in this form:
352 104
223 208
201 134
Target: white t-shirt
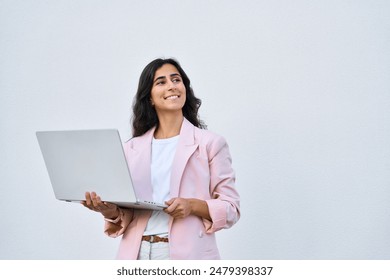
163 152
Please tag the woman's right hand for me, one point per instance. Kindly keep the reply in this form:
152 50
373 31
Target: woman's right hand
93 202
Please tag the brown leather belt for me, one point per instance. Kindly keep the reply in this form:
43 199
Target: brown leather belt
154 238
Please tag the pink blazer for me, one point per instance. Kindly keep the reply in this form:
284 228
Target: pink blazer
201 169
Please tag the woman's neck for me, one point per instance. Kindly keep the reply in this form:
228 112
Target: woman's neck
169 126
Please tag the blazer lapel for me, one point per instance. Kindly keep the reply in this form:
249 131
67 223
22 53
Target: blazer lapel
185 148
139 165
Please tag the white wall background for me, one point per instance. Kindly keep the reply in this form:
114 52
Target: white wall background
300 89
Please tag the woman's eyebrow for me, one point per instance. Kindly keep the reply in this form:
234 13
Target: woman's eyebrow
159 78
171 75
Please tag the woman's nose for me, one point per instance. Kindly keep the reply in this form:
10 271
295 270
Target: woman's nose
172 86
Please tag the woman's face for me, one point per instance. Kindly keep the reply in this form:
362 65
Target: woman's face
168 92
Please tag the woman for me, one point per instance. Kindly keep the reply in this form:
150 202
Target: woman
172 160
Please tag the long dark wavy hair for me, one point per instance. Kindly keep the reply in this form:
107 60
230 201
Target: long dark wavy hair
144 114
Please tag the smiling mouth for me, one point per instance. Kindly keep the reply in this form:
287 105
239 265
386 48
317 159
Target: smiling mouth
171 97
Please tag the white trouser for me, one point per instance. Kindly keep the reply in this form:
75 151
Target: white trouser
154 251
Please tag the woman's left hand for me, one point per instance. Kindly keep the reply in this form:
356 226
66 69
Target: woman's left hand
178 207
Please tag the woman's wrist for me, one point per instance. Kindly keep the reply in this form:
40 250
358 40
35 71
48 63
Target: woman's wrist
199 208
112 215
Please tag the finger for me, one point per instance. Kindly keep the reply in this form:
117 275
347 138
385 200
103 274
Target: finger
90 206
84 203
99 202
171 207
88 199
169 202
94 200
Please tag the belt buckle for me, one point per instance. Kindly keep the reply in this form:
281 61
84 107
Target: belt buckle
151 238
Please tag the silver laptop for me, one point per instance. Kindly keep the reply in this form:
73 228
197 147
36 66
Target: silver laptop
90 160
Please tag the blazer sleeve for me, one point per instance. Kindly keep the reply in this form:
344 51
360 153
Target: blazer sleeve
224 205
117 227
